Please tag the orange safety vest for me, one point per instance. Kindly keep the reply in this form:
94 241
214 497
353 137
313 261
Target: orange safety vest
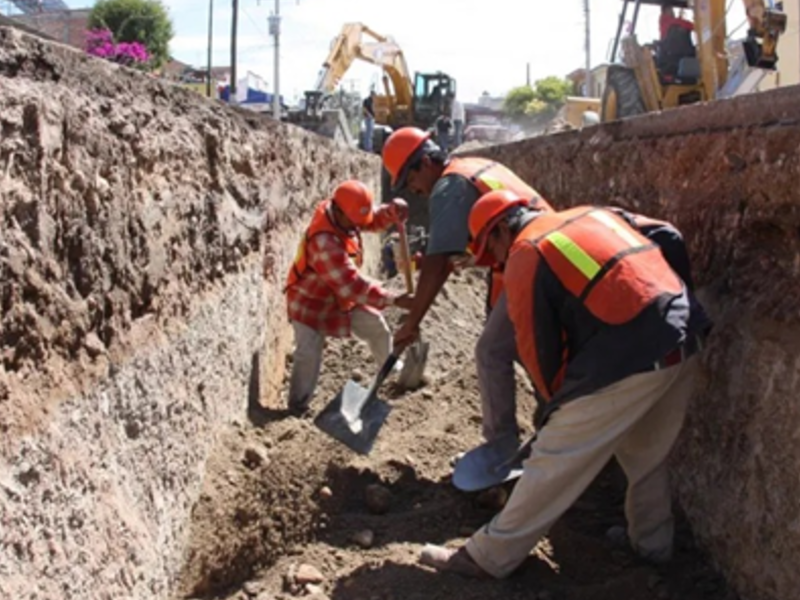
614 270
322 222
487 175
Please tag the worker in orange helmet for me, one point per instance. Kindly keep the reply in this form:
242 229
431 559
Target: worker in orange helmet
452 186
325 293
609 333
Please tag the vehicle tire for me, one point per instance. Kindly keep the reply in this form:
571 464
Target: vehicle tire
622 97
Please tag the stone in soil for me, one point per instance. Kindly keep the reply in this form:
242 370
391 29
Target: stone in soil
378 499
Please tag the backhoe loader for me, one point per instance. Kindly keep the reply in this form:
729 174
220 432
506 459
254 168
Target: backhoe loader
406 101
673 72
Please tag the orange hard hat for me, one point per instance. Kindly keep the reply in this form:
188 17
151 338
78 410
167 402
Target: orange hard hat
486 213
398 151
355 200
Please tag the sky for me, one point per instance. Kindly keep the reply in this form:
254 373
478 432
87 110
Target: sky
485 45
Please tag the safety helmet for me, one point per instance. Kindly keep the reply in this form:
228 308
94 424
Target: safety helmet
400 149
486 213
355 200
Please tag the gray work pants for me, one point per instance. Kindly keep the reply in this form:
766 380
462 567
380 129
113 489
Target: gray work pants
495 355
309 343
637 420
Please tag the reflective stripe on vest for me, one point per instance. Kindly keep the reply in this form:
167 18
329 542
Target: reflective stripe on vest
615 271
321 223
487 175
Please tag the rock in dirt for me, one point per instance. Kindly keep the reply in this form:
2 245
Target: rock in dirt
306 574
378 498
364 538
325 492
494 498
254 458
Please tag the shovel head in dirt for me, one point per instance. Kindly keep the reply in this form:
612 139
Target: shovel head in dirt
356 414
416 358
490 464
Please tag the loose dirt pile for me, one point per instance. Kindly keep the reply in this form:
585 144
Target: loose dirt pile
321 522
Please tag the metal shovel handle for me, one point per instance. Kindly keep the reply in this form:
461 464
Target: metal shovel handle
387 367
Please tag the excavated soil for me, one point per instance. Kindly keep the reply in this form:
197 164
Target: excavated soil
279 494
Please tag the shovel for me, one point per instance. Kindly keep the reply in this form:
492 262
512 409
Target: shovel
491 464
413 369
356 415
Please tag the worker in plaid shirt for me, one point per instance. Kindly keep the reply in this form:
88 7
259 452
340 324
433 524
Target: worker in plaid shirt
325 293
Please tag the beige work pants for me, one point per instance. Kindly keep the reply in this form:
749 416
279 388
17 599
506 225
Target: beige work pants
637 420
309 343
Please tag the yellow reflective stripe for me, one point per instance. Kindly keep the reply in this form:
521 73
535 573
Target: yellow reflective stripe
574 254
491 182
616 227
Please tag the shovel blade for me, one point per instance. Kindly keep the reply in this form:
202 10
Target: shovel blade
487 466
354 418
416 358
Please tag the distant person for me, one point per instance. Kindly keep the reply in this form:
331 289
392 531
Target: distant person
443 126
457 115
668 20
368 110
325 293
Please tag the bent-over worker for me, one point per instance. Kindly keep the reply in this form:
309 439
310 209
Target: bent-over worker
325 293
608 332
452 186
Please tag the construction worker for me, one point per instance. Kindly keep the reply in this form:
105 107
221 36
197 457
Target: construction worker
452 186
325 293
608 333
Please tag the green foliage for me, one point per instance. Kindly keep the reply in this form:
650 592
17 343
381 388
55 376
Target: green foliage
553 90
143 21
517 99
536 107
546 97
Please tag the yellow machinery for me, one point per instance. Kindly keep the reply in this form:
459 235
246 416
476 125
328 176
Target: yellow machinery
405 101
641 84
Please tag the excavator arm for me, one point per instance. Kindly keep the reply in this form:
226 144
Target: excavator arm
379 50
766 26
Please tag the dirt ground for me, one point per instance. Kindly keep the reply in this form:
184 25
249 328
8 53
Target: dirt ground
280 494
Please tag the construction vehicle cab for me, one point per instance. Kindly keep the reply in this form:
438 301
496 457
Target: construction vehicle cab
676 69
433 96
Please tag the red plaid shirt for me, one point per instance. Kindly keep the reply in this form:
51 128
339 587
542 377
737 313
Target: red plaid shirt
332 274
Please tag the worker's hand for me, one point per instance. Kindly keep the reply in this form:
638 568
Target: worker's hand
399 210
404 337
406 301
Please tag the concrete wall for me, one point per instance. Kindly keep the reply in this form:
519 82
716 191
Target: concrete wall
135 221
726 174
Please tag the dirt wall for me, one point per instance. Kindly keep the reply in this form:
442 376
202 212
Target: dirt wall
136 219
726 174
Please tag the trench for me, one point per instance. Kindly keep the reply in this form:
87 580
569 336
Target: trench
144 234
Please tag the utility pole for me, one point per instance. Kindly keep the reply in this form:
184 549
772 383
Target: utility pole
210 42
275 31
528 74
234 29
589 90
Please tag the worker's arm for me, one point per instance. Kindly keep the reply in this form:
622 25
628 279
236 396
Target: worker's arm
327 257
449 204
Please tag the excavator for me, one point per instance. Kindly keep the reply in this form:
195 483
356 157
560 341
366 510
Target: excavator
405 101
673 72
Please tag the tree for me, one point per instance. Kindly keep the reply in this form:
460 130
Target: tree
144 21
553 90
517 99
